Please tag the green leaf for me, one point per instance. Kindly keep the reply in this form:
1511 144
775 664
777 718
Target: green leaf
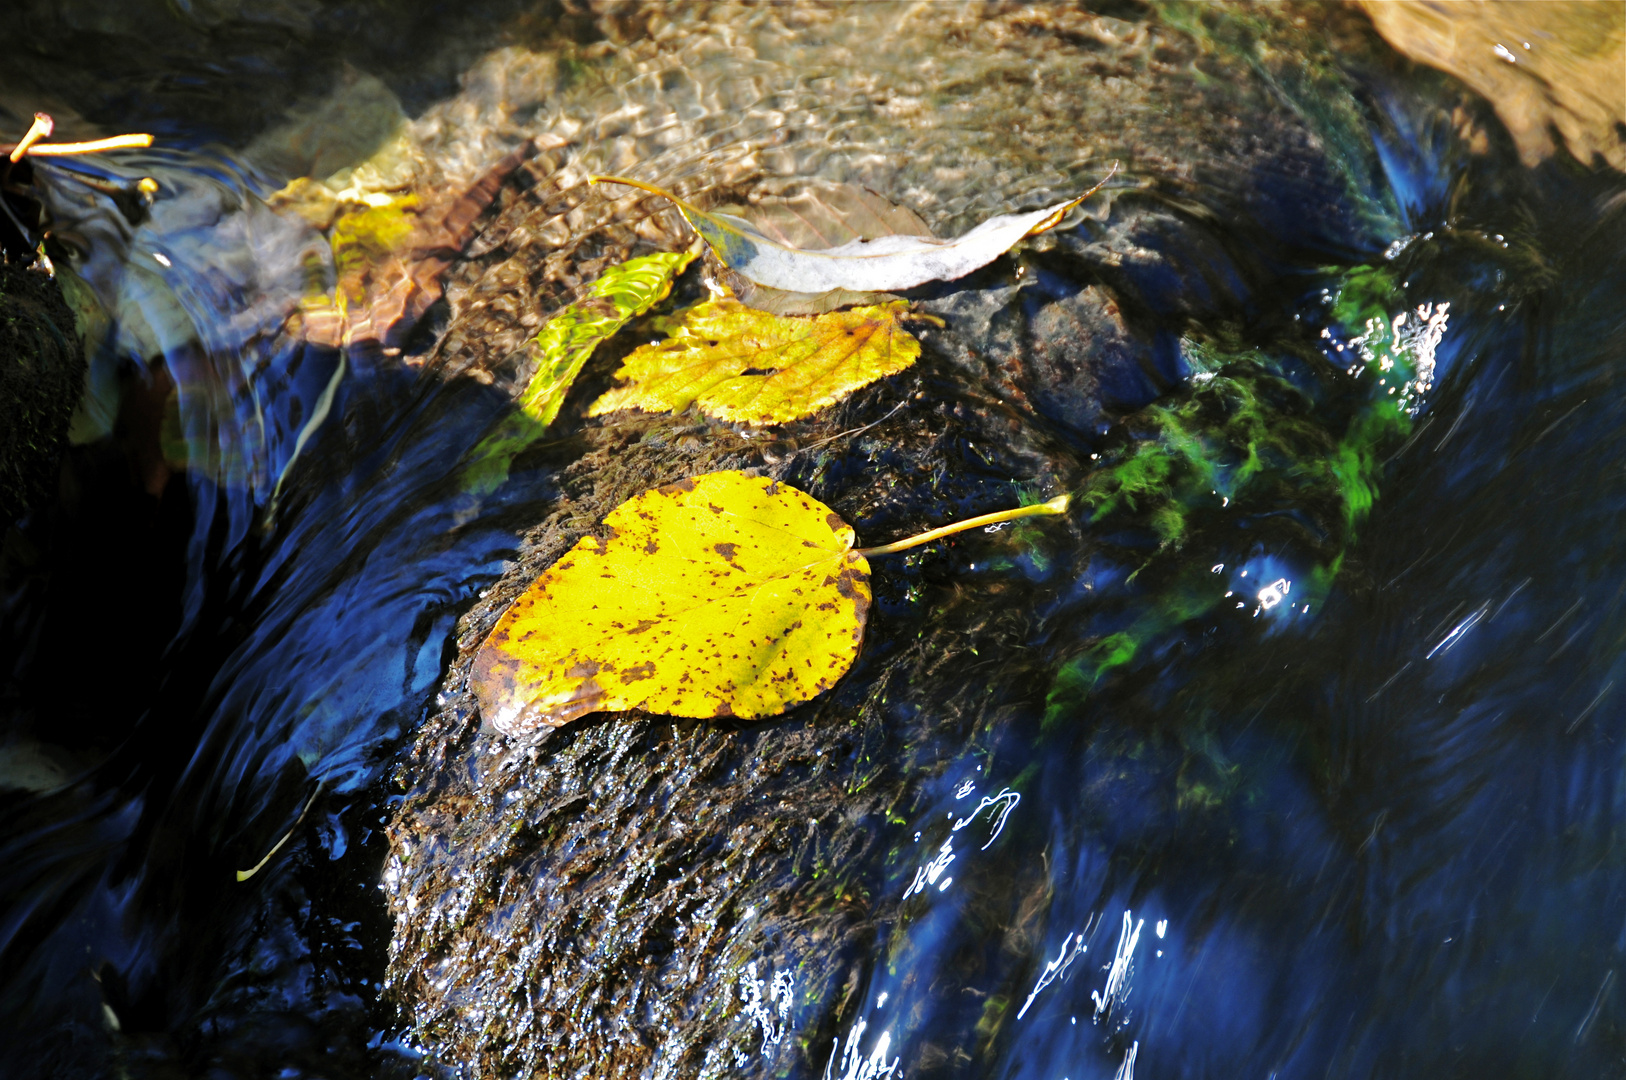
749 366
561 348
620 294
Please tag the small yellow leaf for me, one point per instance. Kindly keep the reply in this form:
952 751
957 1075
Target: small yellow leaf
748 366
724 595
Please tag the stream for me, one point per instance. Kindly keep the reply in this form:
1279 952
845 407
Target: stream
1313 773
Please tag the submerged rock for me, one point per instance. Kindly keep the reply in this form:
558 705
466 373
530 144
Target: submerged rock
634 895
42 374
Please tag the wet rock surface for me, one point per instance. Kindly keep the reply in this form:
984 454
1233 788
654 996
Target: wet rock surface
633 866
42 373
634 895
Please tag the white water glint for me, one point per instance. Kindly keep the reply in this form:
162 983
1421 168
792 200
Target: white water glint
1006 801
1412 337
1072 947
1458 631
1001 804
1420 336
1117 987
853 1065
766 1005
1274 593
928 874
1126 1071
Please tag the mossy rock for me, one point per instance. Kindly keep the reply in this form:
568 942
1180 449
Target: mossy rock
606 902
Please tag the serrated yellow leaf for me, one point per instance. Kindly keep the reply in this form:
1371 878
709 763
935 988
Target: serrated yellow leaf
724 595
751 367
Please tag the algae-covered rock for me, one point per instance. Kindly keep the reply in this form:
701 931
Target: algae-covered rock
601 897
639 896
42 373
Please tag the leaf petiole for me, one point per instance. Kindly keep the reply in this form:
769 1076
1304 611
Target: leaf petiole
93 146
39 129
1058 505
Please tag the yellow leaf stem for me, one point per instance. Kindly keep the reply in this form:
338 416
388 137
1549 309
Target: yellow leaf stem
1058 505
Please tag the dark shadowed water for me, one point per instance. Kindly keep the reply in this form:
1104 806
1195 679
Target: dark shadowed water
1366 822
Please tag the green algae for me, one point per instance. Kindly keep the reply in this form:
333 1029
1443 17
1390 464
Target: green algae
1248 437
1304 57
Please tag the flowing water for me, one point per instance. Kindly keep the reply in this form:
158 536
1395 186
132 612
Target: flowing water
1363 823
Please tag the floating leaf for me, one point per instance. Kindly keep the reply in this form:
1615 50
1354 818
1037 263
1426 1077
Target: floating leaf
752 367
724 595
867 264
817 214
563 346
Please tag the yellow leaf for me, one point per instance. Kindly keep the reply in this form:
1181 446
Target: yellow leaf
724 595
749 366
364 237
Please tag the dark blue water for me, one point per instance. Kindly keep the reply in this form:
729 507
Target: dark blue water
1376 838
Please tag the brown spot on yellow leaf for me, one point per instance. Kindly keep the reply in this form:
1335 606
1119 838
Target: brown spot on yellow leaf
645 670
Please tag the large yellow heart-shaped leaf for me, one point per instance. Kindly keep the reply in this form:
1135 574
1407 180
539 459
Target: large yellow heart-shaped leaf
724 595
748 366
